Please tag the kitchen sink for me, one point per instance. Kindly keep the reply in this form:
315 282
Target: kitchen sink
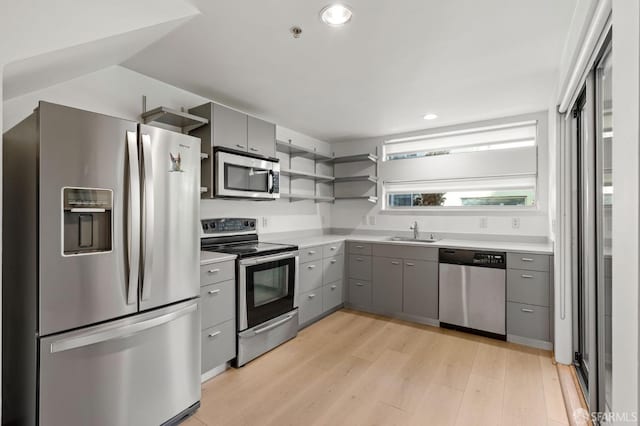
416 240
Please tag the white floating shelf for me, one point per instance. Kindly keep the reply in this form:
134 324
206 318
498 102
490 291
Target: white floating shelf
204 155
356 158
364 178
297 173
304 197
173 117
294 149
370 198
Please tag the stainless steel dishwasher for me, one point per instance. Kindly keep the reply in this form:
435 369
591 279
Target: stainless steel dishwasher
472 294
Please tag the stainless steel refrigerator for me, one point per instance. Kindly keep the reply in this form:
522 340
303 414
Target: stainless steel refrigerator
100 313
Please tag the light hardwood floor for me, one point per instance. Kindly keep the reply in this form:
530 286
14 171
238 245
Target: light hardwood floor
352 368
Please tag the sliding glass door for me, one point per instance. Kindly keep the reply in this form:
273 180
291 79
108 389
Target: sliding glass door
593 201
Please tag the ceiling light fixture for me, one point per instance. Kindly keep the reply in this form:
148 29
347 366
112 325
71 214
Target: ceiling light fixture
336 14
430 116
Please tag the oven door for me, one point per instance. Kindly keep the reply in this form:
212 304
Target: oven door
241 176
266 288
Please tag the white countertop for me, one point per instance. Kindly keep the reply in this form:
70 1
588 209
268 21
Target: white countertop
209 257
511 246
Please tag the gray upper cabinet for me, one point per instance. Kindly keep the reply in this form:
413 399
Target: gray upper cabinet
420 289
261 137
387 284
229 128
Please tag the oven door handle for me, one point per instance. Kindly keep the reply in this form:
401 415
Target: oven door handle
265 259
274 325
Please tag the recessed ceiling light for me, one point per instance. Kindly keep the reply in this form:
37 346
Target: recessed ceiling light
430 116
336 14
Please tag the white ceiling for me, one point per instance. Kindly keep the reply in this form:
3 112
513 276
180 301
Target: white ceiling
395 61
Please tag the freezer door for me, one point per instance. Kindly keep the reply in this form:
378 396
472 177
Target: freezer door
86 153
142 370
170 217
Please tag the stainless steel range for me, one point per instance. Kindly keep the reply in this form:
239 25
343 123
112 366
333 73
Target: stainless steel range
266 283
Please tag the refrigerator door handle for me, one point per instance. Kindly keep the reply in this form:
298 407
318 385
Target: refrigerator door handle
120 332
148 217
133 230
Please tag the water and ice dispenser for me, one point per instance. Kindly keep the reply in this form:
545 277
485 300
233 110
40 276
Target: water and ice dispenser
87 223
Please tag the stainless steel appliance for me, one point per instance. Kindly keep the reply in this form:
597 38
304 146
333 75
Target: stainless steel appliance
101 274
246 176
472 291
266 281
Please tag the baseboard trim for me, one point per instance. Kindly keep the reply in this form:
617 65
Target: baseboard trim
214 372
534 343
572 394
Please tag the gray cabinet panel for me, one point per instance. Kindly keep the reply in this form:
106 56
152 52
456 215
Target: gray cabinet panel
218 345
406 252
531 262
310 254
420 289
531 287
360 248
229 128
360 267
218 303
333 269
332 295
217 272
310 305
331 250
360 293
387 284
261 137
528 321
310 276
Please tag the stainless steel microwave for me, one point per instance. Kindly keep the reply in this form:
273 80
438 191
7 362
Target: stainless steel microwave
245 176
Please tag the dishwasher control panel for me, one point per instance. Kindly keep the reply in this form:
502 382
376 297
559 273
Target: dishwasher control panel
485 259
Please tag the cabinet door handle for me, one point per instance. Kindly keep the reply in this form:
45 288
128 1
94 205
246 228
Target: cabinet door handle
311 266
333 248
527 259
216 291
410 264
213 271
333 287
311 296
395 263
526 276
311 252
359 284
239 146
253 149
360 247
528 311
214 334
359 259
333 261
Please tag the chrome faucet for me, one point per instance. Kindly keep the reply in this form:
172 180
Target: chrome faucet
414 228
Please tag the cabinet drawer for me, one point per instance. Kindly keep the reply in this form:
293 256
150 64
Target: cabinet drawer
360 267
332 295
218 345
334 249
333 269
310 254
217 272
360 248
310 305
406 252
530 262
528 321
310 276
218 302
530 287
360 293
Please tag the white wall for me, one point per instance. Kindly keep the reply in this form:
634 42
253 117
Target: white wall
118 91
358 214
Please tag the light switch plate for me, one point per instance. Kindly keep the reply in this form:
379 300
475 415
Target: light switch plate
484 222
515 223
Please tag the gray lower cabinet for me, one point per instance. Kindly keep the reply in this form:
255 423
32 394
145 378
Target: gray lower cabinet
528 321
217 314
360 267
261 137
387 284
360 293
420 290
321 276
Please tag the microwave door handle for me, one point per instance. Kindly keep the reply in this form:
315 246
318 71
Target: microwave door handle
133 218
271 179
148 217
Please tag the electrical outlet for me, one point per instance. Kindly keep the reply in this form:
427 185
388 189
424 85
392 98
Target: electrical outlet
265 222
515 223
484 222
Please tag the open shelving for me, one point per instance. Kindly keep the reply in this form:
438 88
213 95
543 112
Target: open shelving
310 197
362 178
358 185
356 158
298 150
308 175
172 117
369 198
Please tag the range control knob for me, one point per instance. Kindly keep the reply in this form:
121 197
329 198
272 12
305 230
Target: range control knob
253 224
